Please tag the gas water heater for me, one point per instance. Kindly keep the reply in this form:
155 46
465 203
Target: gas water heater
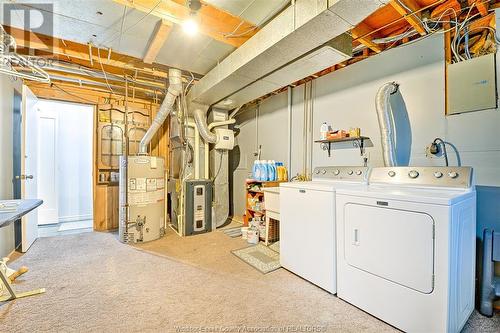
142 199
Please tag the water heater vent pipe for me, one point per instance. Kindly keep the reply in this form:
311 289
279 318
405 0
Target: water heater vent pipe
174 90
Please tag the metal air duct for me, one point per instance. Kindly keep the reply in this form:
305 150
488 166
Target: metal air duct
305 38
174 89
298 30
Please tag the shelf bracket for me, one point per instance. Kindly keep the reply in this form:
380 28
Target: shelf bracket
361 145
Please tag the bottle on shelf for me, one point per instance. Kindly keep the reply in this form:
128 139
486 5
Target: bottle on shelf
255 170
324 130
263 171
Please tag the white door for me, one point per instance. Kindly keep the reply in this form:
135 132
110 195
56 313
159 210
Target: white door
47 168
307 235
393 244
29 166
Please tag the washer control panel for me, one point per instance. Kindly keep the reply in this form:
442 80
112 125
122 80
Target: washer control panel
460 177
348 173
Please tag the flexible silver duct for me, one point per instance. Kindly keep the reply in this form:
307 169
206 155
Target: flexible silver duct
386 122
200 119
174 89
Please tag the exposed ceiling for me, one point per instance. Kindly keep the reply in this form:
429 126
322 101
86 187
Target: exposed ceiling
128 28
125 30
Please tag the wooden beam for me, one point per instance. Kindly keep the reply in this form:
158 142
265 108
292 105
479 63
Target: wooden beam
481 5
448 9
212 21
402 6
361 30
447 43
158 38
485 21
73 93
71 50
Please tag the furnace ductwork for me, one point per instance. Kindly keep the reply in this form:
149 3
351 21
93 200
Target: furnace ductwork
174 90
200 118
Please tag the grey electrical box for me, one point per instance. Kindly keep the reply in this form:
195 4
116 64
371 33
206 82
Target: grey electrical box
198 207
472 85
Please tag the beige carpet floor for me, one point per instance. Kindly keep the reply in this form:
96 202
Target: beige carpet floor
96 284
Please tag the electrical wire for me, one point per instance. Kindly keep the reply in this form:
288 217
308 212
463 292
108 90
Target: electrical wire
445 153
220 165
102 68
257 26
71 94
133 25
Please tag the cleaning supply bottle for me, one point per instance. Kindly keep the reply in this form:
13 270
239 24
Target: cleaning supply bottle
263 171
280 172
272 167
258 170
255 170
324 130
269 170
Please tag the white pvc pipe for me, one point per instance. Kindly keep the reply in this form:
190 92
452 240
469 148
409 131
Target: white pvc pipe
196 149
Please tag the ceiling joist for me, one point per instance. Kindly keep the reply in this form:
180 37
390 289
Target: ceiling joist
72 50
213 22
409 9
362 29
158 38
481 5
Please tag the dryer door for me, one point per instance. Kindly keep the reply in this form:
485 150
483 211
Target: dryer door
393 244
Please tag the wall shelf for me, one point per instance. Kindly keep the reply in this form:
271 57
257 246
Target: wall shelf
357 142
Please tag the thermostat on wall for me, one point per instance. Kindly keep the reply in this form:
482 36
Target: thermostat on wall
471 85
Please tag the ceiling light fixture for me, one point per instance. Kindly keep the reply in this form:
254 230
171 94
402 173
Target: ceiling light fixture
190 26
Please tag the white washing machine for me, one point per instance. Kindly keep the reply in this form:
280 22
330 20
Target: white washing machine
406 247
307 223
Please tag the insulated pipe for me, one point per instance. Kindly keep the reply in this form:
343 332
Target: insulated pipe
174 89
386 122
200 118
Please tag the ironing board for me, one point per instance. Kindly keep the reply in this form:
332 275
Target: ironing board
14 210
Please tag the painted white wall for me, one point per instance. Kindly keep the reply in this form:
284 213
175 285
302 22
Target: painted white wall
346 98
74 158
6 104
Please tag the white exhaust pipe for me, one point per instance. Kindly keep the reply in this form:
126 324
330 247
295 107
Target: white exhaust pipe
174 90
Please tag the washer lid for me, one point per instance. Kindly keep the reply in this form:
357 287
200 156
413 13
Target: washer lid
428 196
323 186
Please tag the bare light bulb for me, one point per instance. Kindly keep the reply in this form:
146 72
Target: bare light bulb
190 27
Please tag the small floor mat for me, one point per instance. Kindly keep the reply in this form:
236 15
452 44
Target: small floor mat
260 257
275 247
233 232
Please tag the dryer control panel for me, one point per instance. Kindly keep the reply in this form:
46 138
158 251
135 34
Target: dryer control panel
450 177
347 173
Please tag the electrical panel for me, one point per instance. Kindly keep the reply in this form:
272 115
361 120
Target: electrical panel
471 85
198 207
